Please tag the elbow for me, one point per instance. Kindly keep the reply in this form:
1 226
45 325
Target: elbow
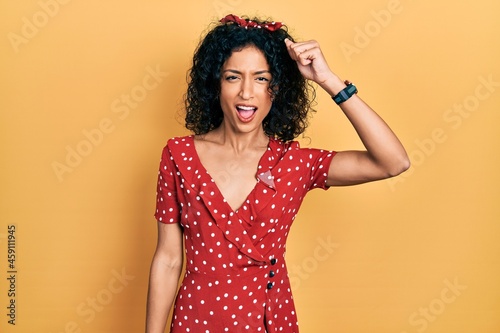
171 262
162 270
399 166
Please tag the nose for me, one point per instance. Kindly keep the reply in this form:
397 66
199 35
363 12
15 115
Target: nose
246 91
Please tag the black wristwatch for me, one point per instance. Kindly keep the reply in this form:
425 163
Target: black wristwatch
345 93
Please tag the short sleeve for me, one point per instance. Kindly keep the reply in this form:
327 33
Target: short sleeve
167 204
318 162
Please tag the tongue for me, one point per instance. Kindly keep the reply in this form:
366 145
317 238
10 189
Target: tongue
246 113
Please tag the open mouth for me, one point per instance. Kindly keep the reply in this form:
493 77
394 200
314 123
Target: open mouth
246 113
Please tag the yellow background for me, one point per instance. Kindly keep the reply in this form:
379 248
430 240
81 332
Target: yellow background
396 246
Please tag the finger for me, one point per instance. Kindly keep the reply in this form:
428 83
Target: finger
288 42
295 49
289 46
302 47
308 56
303 52
305 58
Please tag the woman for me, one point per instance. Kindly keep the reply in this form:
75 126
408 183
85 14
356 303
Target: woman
232 190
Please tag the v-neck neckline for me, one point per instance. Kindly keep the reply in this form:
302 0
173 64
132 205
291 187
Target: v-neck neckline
219 192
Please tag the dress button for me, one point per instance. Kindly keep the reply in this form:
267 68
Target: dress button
273 261
271 273
269 285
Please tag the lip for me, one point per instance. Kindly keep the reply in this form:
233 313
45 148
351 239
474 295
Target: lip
242 107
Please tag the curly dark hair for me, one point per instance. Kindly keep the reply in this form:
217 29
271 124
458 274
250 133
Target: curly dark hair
292 94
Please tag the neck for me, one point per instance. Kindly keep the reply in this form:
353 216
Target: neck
240 142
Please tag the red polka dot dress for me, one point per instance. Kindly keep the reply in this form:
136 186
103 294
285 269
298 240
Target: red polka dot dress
236 278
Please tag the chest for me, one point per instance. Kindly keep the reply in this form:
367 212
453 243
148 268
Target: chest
234 175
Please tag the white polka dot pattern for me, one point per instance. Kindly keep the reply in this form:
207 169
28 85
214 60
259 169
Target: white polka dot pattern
236 278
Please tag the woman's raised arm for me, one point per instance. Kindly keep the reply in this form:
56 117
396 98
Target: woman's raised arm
384 157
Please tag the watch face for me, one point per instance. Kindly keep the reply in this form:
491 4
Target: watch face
351 89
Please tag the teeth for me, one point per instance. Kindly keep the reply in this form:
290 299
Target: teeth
246 108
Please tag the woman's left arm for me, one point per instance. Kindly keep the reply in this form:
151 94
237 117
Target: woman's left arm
384 157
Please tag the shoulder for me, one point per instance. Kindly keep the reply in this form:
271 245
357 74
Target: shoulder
176 146
176 140
293 149
179 142
283 146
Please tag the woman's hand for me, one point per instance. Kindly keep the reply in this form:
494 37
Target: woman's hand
310 61
384 157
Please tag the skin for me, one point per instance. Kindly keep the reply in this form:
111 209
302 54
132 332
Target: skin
231 152
384 157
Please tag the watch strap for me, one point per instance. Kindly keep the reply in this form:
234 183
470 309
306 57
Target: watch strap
345 93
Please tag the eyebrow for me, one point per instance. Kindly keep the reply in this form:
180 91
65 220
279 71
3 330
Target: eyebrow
265 71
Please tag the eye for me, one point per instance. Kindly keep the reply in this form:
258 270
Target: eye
262 79
231 78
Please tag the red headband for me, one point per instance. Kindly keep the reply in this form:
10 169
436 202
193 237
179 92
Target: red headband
271 26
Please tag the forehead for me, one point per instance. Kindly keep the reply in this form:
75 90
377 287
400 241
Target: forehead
249 57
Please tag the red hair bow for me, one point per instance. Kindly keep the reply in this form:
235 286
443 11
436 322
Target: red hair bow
271 26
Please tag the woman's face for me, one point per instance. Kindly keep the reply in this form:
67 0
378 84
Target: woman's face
244 97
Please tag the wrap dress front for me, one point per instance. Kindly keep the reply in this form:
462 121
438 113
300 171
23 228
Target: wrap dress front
236 278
